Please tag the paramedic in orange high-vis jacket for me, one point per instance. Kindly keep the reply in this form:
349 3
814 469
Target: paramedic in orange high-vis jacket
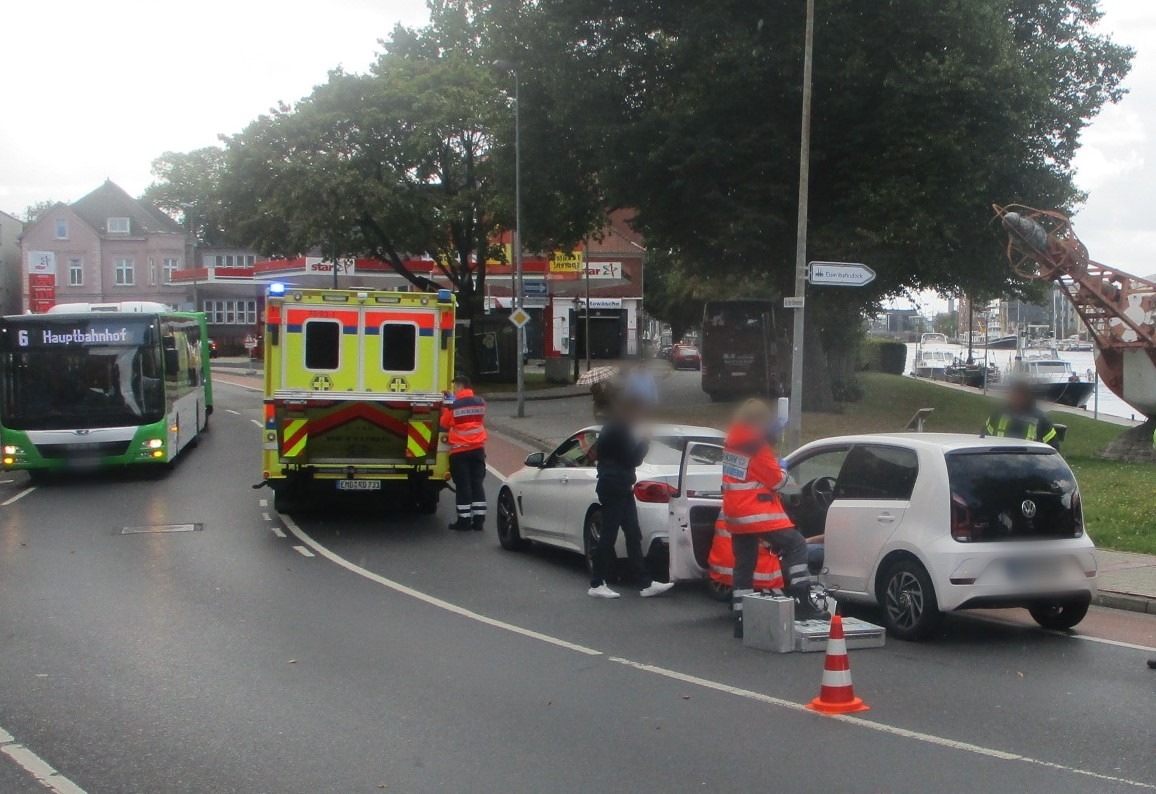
464 421
752 479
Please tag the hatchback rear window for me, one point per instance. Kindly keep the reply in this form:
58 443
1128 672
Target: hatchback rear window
1013 495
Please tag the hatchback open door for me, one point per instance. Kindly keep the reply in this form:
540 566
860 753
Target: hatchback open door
693 510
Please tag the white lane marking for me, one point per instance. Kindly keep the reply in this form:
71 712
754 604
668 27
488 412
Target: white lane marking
428 599
496 473
36 766
231 411
702 682
928 738
258 424
304 552
237 385
1067 636
277 531
20 495
263 502
5 482
266 517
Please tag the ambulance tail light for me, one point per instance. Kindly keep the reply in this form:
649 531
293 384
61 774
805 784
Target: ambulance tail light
653 492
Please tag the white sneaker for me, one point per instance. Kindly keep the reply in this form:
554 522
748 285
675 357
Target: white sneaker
602 591
656 588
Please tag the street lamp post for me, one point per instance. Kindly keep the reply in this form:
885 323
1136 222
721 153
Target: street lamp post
796 407
518 283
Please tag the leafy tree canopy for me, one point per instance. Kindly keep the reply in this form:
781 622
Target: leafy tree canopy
187 186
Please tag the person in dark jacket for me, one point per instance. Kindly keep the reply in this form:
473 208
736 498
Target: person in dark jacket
1022 418
619 451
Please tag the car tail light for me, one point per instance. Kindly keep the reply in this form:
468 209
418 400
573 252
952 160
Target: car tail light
653 492
1077 515
962 528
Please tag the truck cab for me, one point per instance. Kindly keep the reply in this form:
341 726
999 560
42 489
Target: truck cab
354 383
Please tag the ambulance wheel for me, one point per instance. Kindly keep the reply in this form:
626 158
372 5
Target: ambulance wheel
718 591
426 502
283 501
509 533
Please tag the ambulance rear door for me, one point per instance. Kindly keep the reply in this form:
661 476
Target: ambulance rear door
321 348
401 353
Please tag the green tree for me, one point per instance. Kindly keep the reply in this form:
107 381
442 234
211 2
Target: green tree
36 211
187 186
925 113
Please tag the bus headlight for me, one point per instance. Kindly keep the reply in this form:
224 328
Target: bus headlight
155 443
9 449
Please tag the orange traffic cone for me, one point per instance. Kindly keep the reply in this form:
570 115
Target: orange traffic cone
836 695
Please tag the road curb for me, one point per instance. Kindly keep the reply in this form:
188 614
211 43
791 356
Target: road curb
1127 602
535 443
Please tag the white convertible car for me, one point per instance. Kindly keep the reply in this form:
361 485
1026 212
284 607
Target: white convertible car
551 500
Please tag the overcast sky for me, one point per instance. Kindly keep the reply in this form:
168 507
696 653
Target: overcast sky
95 90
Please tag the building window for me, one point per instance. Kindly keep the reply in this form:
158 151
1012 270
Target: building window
152 272
250 260
61 229
117 225
231 312
124 273
76 272
169 266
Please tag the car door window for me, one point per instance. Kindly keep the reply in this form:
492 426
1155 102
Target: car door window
575 452
827 463
877 471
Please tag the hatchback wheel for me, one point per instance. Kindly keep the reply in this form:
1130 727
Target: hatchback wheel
509 532
1059 615
910 609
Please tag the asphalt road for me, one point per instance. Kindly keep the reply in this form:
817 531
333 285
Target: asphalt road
402 657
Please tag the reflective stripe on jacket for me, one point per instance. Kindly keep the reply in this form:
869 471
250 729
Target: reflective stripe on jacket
1031 425
768 574
751 482
464 420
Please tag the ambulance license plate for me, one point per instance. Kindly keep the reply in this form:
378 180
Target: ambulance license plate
359 485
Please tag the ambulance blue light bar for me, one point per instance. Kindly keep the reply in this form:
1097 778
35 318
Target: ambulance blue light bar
445 296
276 288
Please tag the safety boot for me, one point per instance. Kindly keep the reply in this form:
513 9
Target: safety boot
806 605
479 523
461 525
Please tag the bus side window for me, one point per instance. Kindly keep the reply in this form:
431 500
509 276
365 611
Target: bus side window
399 347
322 344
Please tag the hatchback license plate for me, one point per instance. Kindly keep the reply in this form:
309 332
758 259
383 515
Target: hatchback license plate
359 485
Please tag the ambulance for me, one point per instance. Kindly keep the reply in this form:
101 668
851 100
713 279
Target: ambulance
354 384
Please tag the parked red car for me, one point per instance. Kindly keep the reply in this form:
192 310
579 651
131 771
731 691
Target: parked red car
685 357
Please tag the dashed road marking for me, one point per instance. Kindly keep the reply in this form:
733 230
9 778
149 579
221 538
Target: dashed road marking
18 496
36 766
5 482
304 552
231 411
266 517
263 502
258 424
277 531
705 683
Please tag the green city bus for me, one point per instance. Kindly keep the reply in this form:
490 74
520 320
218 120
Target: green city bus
85 386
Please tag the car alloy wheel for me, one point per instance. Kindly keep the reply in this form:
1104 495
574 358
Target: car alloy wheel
910 607
509 533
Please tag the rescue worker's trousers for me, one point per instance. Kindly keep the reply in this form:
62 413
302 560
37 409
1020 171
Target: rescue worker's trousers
789 544
619 511
468 470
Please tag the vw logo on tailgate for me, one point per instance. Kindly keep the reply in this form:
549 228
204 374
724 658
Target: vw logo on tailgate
1028 507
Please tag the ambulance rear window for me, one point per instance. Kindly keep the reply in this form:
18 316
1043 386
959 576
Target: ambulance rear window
322 344
399 347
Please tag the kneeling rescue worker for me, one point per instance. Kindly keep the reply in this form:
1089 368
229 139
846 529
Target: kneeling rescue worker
752 479
464 420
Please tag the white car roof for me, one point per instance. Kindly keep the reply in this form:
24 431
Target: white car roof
672 430
944 442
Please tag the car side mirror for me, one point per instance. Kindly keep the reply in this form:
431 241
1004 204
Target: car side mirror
536 460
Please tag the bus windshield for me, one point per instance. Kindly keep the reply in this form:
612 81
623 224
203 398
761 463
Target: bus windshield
81 374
